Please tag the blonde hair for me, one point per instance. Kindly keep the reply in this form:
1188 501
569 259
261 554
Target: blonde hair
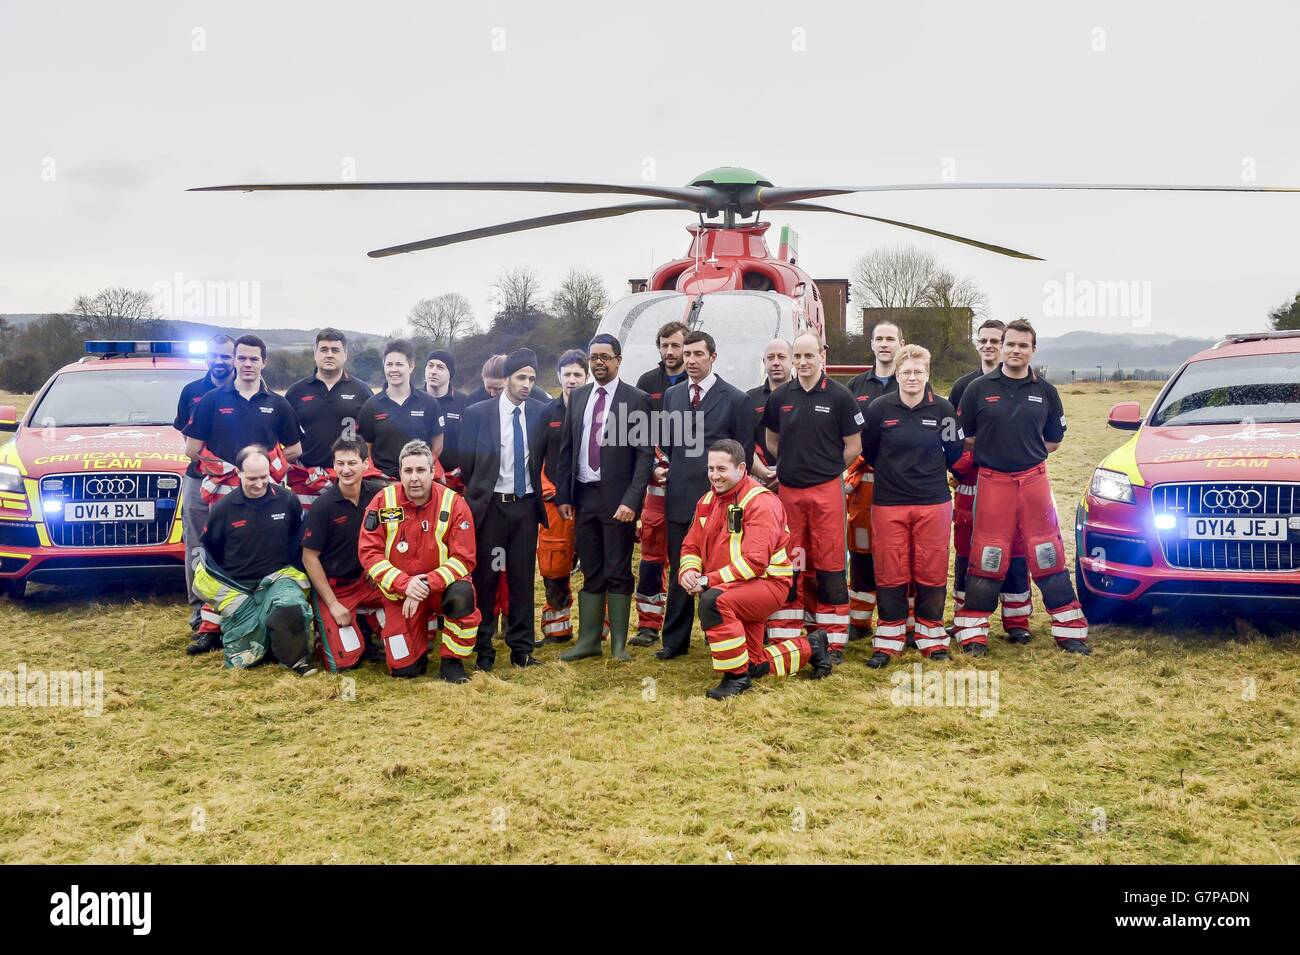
912 353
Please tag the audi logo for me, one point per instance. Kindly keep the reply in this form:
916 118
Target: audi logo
1232 498
104 486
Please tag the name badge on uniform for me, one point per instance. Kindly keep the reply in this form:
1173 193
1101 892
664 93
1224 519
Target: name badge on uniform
930 422
1038 398
417 414
278 517
347 397
391 515
267 410
824 409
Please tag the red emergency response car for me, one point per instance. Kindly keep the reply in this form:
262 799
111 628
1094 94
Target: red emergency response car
1202 504
90 483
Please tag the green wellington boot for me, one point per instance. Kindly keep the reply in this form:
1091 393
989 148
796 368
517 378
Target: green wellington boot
620 611
591 620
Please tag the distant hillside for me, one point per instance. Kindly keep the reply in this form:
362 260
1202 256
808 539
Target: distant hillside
274 337
1082 352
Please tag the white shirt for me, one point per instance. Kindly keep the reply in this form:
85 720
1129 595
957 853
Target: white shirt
506 476
586 474
705 384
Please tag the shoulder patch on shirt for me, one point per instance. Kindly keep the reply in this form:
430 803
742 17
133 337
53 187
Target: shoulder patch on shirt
1062 421
463 525
858 419
391 515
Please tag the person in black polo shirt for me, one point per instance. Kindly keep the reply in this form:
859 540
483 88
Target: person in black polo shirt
1016 603
815 428
240 413
328 405
329 555
439 381
777 363
248 571
399 413
194 510
1013 419
879 379
911 439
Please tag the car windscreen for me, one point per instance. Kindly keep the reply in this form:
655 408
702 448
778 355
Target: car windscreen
109 398
1256 388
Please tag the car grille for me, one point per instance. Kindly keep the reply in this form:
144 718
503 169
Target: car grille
1237 499
113 486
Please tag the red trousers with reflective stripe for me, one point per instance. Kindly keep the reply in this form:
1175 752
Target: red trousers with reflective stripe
654 551
555 544
338 648
862 603
737 642
816 518
911 548
1011 505
406 640
1016 603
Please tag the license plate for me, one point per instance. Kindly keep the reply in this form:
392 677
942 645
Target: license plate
109 511
1236 528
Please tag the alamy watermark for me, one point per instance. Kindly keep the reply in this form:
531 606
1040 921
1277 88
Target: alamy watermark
235 301
73 689
963 689
1091 298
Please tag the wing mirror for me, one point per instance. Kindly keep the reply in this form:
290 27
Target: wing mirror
1126 416
8 418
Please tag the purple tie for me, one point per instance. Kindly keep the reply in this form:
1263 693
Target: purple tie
597 429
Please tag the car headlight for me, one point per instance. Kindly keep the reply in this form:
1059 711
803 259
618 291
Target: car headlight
11 479
1111 486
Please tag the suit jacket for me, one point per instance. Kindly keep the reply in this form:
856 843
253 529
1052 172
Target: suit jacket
480 453
727 414
625 465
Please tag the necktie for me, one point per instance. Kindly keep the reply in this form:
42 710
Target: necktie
597 429
520 463
695 397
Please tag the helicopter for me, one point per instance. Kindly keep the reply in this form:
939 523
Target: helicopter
728 283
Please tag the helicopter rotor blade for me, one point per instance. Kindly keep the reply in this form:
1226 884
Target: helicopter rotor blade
769 196
1002 250
523 225
694 194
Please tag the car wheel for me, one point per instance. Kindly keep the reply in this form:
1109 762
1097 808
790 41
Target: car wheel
1096 608
16 589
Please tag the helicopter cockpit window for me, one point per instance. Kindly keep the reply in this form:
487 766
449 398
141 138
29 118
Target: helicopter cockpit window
757 282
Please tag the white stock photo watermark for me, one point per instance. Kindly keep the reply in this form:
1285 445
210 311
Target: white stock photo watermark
48 689
960 689
1093 298
235 301
75 908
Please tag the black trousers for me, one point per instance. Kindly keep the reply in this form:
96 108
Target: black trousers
506 540
604 544
679 614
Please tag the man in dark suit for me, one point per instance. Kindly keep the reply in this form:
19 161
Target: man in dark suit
699 411
604 466
503 442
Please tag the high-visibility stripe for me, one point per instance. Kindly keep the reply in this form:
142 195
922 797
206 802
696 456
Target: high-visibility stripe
729 643
460 649
690 562
778 659
732 663
464 633
832 618
656 491
1061 616
929 643
784 633
967 490
890 629
1070 633
448 577
880 643
778 570
795 662
458 566
390 535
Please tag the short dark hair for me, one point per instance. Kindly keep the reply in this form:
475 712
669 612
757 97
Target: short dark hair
220 337
669 329
992 323
1020 325
731 448
604 338
349 443
573 356
886 321
331 335
253 342
699 336
400 346
247 452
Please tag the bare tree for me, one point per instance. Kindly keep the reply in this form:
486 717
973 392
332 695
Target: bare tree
442 319
579 303
116 311
517 293
960 303
897 277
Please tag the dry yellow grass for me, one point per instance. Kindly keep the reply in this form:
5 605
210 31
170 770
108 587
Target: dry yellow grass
1146 752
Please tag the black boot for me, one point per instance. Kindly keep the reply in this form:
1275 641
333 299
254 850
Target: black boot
1018 635
453 671
730 686
821 657
939 656
878 659
975 649
204 643
1075 646
645 637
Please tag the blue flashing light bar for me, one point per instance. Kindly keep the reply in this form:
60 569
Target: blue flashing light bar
180 349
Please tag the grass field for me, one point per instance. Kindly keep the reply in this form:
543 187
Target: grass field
1175 742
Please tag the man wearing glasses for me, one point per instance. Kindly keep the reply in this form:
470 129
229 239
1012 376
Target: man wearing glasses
601 475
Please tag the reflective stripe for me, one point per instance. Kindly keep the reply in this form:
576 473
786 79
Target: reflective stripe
1016 598
1061 616
895 645
778 659
690 562
832 618
966 489
457 565
732 663
656 491
1071 633
643 607
784 633
792 613
728 643
926 643
890 630
857 615
930 631
558 626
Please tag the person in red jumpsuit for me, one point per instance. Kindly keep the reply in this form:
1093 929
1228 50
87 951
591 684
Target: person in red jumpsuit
417 545
1013 419
736 558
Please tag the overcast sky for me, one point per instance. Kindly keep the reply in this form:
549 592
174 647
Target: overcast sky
110 111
